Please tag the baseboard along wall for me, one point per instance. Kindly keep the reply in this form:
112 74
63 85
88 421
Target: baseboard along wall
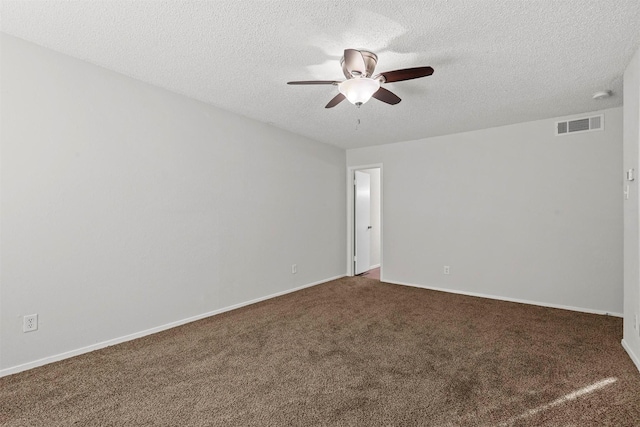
634 357
130 337
114 341
501 298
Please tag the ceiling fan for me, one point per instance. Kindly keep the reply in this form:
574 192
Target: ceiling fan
361 85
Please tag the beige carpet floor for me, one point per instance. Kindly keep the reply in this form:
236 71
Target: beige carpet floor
352 352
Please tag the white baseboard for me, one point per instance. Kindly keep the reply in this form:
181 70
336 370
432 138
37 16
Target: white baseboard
114 341
634 357
371 267
501 298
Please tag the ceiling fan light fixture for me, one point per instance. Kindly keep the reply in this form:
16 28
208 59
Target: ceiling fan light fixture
359 90
358 67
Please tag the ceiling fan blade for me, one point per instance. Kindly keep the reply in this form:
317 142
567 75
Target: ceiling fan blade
335 101
405 74
387 96
314 82
354 62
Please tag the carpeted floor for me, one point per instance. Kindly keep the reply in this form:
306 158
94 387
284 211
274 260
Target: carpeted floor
349 352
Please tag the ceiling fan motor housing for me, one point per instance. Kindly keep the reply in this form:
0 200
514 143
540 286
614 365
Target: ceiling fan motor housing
370 62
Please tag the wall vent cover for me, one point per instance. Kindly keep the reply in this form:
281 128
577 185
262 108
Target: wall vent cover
585 124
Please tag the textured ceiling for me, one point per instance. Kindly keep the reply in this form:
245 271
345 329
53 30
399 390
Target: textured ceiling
496 61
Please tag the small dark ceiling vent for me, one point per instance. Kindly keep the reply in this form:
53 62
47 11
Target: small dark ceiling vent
585 124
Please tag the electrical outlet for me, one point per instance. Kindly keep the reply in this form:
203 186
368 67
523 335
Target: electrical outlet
446 269
30 323
294 268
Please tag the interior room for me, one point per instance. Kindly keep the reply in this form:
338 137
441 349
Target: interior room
185 239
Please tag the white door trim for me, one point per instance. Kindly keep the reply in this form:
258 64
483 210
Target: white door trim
350 213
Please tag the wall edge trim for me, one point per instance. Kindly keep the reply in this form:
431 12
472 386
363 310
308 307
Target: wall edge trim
634 358
114 341
508 299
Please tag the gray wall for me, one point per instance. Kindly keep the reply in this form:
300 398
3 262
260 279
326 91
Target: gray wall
631 339
126 207
516 212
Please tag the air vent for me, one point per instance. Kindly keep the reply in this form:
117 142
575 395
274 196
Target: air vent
562 127
585 124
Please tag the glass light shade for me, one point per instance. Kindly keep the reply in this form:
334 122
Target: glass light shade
358 91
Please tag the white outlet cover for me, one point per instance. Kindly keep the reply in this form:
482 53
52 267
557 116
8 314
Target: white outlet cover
30 323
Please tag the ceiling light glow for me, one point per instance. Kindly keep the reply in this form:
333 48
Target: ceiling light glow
359 90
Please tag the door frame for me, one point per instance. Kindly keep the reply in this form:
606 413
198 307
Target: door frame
351 212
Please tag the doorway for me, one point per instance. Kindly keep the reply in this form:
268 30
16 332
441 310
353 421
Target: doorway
364 224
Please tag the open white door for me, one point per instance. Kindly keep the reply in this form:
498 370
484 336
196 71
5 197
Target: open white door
362 222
